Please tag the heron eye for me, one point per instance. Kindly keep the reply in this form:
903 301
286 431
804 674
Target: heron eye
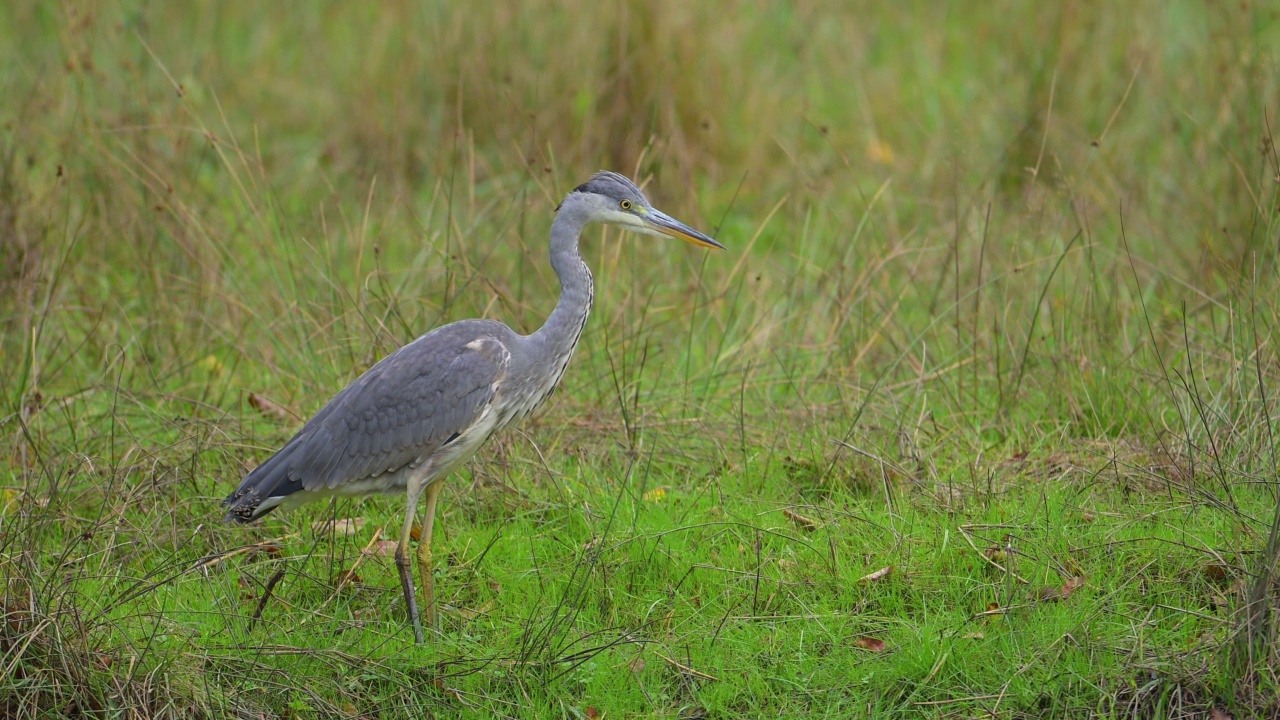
625 204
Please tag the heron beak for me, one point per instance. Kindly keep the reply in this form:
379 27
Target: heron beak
666 225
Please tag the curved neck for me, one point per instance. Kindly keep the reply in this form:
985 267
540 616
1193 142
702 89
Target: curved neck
564 326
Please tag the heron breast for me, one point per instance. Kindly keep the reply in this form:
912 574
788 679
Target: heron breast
465 443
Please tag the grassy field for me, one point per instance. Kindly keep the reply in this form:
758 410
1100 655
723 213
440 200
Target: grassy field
975 418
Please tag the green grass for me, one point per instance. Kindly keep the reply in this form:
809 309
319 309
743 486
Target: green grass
999 311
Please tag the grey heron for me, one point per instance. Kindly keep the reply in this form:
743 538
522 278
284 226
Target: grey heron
422 411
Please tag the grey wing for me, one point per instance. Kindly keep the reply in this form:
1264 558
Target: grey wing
398 413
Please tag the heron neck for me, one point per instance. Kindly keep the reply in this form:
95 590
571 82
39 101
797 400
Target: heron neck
564 326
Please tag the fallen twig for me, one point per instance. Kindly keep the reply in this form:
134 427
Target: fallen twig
266 595
686 669
993 563
211 560
803 522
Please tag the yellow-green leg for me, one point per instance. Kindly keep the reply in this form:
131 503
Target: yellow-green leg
413 490
425 566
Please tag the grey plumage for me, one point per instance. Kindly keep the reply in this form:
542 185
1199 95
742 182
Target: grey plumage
422 411
412 404
611 184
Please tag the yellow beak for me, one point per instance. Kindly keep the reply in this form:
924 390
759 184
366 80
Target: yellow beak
665 224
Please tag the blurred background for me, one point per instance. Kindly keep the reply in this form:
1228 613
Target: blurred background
906 151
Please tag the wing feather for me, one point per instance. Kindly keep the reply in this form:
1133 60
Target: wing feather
398 413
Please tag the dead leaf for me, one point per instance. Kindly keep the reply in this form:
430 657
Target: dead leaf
880 574
1216 714
212 365
655 494
880 152
995 554
35 402
8 498
869 643
637 665
1217 573
993 612
1088 517
341 527
973 636
1056 594
268 408
1072 585
16 616
804 523
346 577
268 548
385 547
415 532
592 713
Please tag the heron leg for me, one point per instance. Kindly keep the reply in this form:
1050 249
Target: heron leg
413 491
425 564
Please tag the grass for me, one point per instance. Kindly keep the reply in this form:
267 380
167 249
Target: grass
997 317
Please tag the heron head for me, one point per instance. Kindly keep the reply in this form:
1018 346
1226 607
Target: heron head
612 199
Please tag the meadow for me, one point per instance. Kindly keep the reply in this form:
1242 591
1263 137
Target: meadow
974 418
